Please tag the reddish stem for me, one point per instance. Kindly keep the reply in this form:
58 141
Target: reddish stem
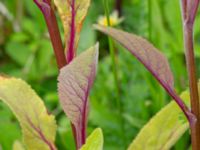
194 97
71 48
45 7
189 11
50 18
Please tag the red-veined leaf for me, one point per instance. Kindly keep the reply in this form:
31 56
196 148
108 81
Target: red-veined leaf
152 59
75 81
38 127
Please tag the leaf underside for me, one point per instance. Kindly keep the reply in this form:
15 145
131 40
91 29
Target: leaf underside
75 81
154 61
145 52
163 130
94 141
38 127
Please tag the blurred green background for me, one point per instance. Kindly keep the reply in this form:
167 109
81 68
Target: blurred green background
26 52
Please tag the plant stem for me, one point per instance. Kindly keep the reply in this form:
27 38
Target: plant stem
190 59
50 18
115 72
53 29
71 48
19 14
189 11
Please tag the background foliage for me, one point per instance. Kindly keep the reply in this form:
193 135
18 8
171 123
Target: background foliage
26 52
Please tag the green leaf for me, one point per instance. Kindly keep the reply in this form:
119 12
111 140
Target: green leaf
9 124
38 127
18 52
94 141
164 129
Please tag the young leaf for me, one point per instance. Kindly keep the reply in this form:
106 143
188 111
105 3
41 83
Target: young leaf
72 14
38 127
94 141
189 10
152 59
163 130
75 81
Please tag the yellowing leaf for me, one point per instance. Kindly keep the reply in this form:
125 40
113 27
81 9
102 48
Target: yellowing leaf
163 130
38 127
72 14
94 141
18 146
75 82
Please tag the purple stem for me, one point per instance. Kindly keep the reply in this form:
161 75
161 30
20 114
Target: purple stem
71 49
78 132
50 19
189 11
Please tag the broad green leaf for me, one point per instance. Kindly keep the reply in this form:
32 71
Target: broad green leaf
75 82
9 124
18 146
163 130
38 127
22 55
72 14
94 141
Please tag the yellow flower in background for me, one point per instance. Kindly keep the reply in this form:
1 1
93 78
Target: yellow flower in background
114 19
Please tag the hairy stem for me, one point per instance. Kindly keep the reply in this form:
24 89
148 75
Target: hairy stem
50 18
115 72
